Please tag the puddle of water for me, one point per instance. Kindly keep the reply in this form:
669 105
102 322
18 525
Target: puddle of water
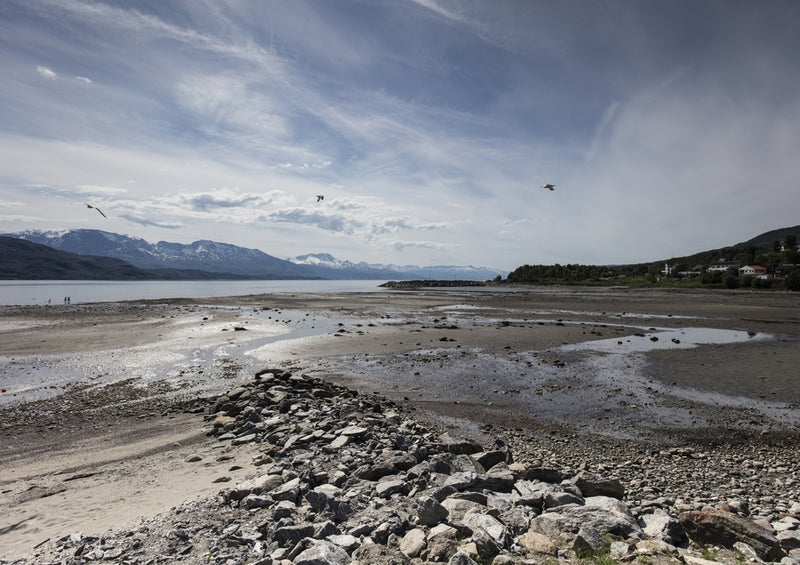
666 338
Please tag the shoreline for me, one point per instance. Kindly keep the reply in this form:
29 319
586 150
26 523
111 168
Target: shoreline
379 337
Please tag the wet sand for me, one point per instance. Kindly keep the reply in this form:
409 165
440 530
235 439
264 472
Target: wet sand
482 356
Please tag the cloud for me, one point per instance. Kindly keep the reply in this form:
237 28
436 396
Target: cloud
428 126
46 73
100 190
222 198
154 223
403 245
10 203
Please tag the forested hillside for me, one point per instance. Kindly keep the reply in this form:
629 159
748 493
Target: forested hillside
772 250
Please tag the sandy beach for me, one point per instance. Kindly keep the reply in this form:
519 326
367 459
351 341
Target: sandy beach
103 411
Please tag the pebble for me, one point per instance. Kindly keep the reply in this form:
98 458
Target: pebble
345 478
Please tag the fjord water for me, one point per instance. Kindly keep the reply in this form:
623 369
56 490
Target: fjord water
28 293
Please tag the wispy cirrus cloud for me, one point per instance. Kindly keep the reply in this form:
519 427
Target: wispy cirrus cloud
46 72
100 190
147 222
428 125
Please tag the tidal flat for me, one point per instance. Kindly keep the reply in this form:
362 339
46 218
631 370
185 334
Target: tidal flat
102 402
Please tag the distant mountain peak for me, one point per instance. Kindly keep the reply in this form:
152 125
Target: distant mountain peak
217 257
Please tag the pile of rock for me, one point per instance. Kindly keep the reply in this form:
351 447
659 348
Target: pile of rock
343 478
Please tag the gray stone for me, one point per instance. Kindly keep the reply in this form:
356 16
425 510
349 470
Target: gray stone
386 488
571 518
722 528
789 539
294 533
290 490
375 554
537 543
322 552
493 527
258 485
413 542
457 508
345 541
592 485
664 527
461 558
588 542
430 512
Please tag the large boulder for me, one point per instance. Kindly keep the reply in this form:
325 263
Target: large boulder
717 527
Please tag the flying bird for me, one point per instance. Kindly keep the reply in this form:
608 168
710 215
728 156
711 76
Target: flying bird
550 186
96 208
320 197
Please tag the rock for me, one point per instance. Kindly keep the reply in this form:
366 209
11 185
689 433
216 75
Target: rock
430 512
662 526
725 529
374 554
441 542
461 558
537 543
488 459
322 552
323 497
571 517
345 473
588 542
457 508
413 542
293 534
619 550
345 541
592 485
789 539
259 485
386 488
290 490
655 547
491 526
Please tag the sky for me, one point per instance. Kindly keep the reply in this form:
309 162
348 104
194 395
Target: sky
429 126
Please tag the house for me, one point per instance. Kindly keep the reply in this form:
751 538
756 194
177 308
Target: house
724 265
783 270
753 271
669 269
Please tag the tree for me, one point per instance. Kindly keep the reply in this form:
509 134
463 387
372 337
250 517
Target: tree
792 280
730 280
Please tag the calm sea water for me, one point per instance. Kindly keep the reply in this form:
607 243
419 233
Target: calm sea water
80 292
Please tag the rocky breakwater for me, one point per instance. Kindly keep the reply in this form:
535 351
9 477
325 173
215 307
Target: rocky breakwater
343 478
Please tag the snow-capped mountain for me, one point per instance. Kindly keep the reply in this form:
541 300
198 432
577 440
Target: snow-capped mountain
218 257
203 255
438 272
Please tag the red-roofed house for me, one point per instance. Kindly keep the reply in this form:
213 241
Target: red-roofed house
752 271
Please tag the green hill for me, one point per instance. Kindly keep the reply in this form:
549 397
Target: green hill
774 250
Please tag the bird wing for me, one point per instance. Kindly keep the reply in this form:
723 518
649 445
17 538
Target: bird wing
96 208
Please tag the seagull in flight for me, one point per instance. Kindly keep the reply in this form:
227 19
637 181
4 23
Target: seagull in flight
96 208
320 197
550 186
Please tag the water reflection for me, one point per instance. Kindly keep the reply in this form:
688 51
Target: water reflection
655 339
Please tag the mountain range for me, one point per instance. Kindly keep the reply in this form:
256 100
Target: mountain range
229 260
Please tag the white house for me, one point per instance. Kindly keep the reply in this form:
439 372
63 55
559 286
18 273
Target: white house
723 265
752 271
